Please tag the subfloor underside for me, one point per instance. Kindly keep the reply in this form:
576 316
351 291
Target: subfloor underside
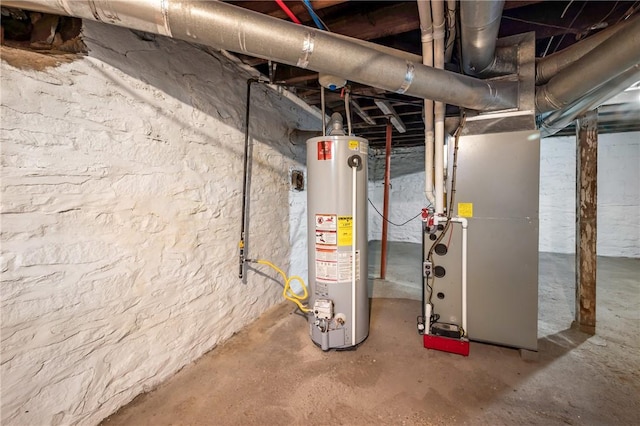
272 374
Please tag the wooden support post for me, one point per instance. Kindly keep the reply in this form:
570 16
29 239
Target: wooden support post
385 209
586 218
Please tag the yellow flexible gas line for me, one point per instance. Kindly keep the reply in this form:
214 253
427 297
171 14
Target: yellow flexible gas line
287 293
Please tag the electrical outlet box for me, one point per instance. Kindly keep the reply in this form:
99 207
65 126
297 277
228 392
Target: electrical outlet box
297 180
427 269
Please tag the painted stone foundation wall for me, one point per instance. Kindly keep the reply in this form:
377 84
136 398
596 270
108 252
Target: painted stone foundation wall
618 194
121 198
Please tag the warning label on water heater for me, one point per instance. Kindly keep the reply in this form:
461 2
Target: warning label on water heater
345 230
326 222
324 150
326 265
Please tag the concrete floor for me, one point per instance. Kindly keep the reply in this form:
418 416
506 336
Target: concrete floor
272 374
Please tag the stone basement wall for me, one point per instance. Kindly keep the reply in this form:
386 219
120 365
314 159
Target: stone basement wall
618 194
121 197
618 197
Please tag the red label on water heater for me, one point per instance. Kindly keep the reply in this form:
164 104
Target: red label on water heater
324 150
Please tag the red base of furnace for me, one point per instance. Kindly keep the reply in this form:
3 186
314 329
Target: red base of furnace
447 344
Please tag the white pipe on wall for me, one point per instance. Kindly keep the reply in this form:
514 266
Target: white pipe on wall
353 254
463 221
426 29
437 9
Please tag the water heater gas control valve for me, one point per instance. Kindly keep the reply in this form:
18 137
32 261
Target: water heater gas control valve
323 309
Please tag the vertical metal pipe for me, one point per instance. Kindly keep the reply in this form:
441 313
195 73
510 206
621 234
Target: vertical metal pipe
245 181
385 210
479 25
324 124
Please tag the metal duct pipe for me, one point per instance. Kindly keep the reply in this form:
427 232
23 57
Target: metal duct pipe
560 119
551 65
613 56
479 25
225 26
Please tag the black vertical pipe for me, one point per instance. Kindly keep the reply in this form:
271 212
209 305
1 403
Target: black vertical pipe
245 180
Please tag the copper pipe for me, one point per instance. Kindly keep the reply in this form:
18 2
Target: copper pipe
385 210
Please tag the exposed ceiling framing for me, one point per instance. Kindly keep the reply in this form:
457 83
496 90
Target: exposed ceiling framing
557 25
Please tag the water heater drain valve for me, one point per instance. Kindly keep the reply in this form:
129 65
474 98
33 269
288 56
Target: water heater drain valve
323 309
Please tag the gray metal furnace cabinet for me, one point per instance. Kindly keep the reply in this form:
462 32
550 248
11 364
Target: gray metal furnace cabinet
497 187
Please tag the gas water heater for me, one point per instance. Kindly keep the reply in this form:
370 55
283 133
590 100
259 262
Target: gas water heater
337 226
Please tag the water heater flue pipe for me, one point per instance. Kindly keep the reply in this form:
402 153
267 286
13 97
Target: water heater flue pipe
225 26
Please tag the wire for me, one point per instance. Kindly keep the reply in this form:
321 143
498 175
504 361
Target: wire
542 24
450 235
570 27
287 292
457 134
566 8
610 12
387 220
314 15
288 11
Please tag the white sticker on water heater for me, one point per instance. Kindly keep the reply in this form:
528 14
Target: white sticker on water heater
326 271
345 265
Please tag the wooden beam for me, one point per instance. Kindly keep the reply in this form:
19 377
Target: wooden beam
271 8
381 22
385 208
586 220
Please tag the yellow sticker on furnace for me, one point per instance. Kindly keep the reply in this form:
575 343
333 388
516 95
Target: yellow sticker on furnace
345 230
354 145
465 209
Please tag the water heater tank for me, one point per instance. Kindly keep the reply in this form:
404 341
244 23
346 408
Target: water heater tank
337 224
